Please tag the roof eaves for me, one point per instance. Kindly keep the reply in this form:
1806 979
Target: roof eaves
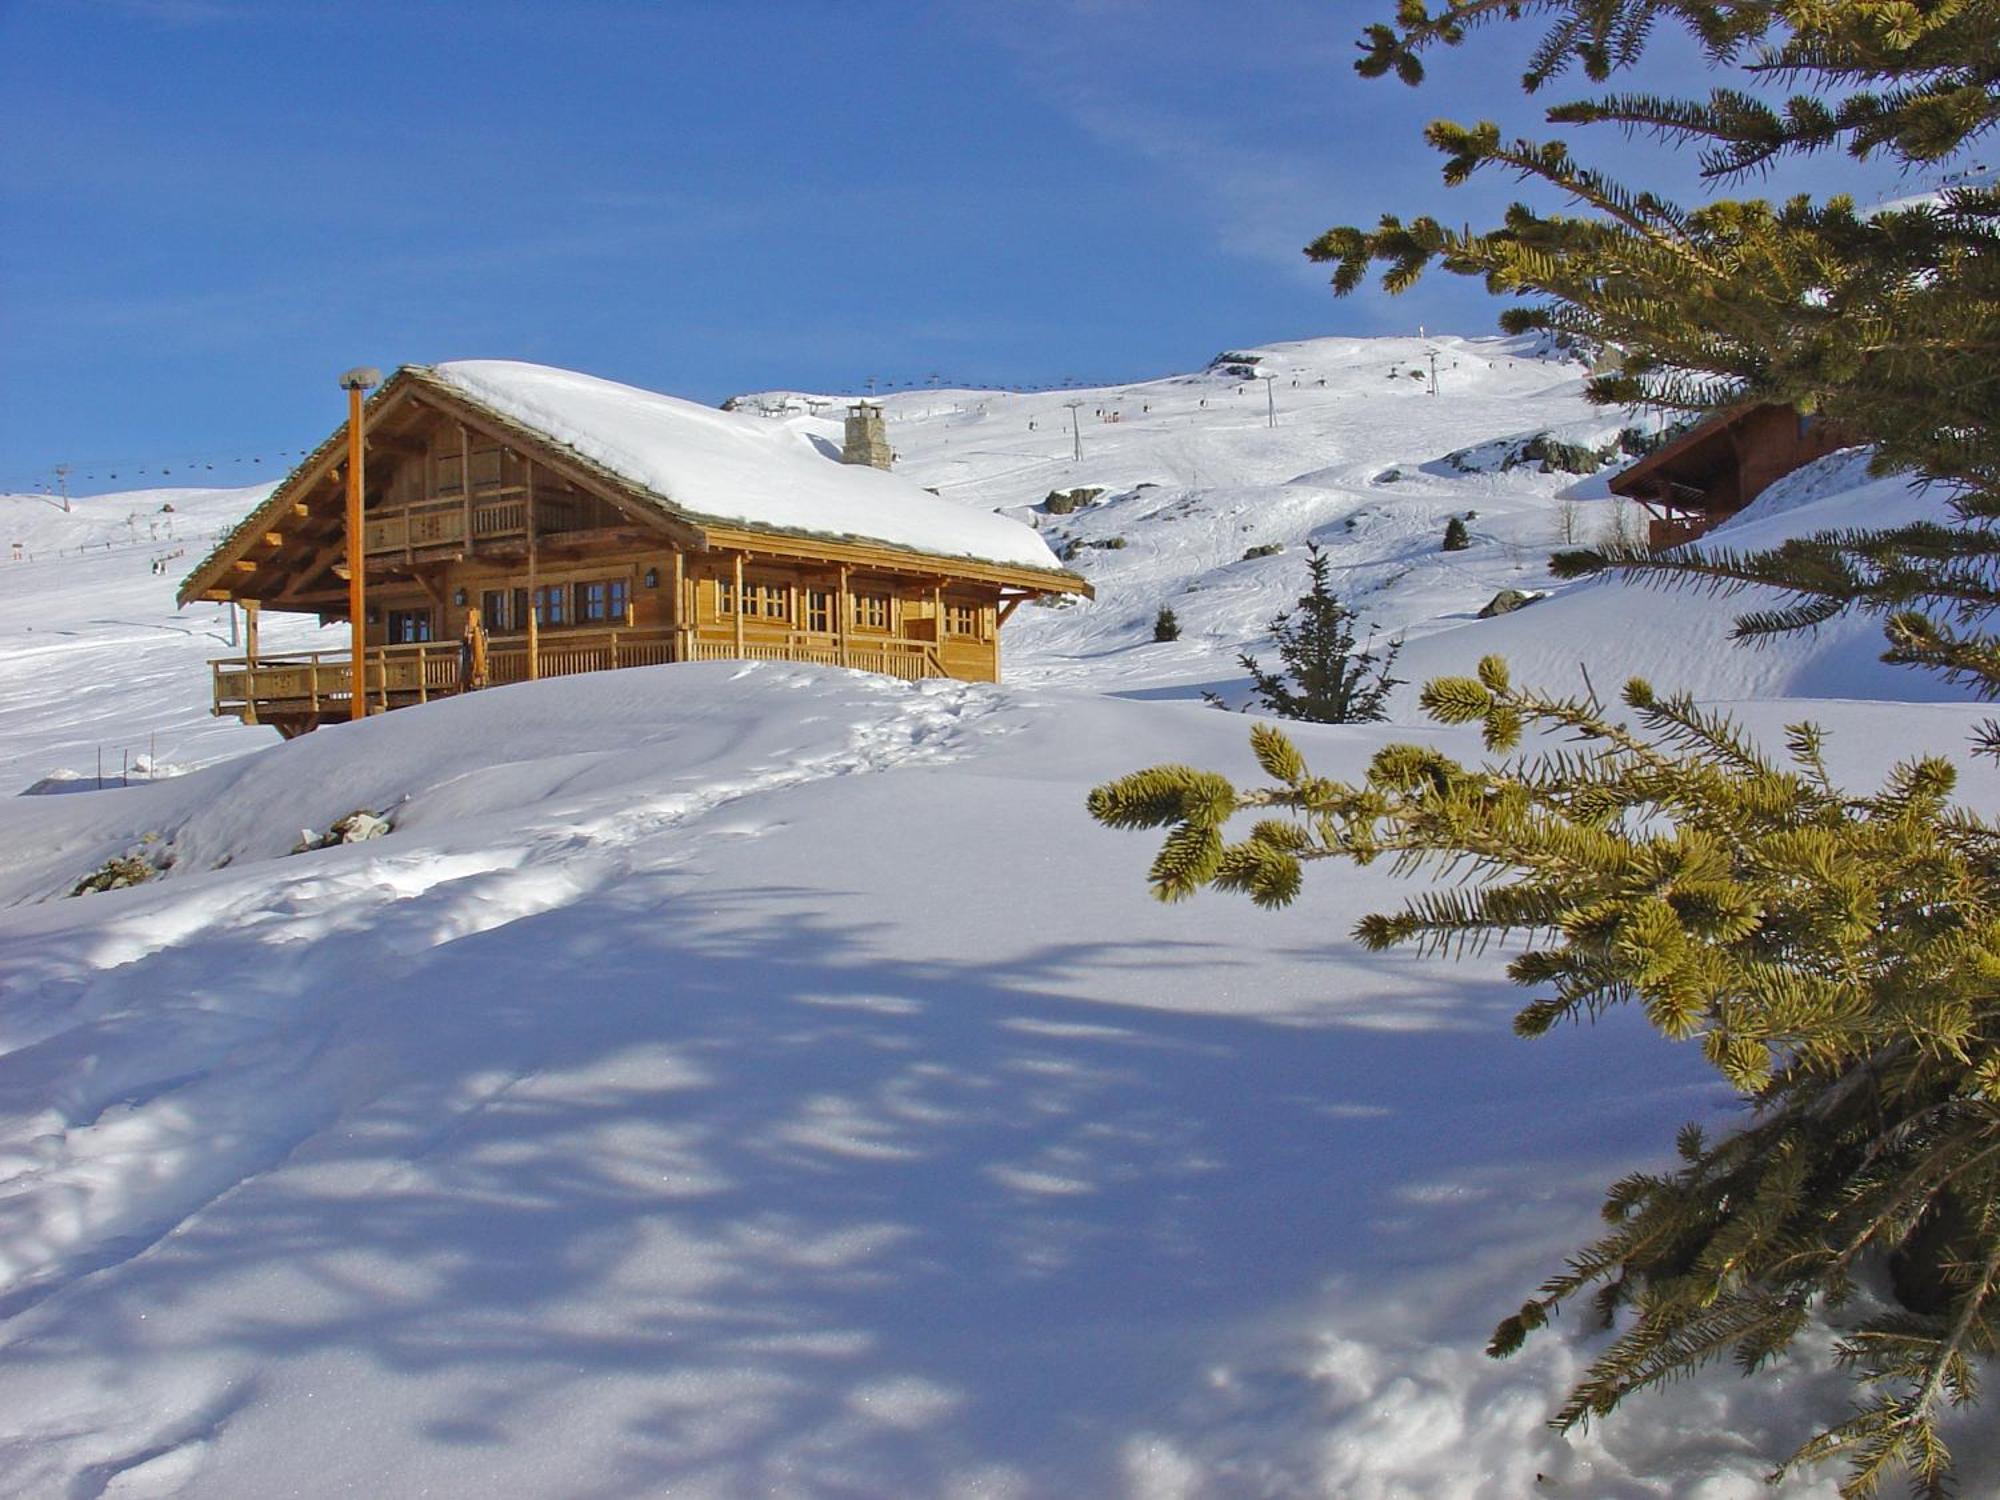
258 519
700 520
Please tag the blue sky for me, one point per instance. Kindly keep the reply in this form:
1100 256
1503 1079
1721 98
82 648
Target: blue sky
212 207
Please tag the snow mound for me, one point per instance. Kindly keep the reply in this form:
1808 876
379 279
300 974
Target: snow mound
1679 636
730 1069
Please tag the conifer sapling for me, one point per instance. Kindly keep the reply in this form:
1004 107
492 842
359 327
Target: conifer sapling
1332 680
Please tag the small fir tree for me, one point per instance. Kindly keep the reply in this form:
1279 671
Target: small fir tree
1166 626
1456 537
1332 680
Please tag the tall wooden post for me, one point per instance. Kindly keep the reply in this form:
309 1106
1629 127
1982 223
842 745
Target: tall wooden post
465 486
534 608
739 604
683 639
844 606
250 632
683 635
354 382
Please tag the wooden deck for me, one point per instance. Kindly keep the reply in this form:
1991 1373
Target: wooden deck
297 692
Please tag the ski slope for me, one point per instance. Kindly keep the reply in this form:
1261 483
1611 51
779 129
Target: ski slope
744 1079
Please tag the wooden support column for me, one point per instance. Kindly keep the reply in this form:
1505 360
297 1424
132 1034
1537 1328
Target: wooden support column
683 637
845 606
534 613
739 604
357 564
249 665
465 484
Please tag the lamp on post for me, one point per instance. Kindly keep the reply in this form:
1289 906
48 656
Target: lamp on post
354 382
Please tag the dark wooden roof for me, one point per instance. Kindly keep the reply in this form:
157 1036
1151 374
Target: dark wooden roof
1687 460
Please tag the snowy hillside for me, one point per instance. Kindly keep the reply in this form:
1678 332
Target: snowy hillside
743 1079
99 659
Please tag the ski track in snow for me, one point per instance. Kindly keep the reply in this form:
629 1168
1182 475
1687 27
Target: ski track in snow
403 904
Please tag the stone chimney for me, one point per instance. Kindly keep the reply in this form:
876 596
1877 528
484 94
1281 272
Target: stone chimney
867 441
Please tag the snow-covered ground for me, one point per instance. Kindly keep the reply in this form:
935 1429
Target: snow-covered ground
741 1079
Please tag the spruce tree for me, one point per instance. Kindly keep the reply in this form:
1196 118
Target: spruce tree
1833 955
1166 625
1456 537
1332 680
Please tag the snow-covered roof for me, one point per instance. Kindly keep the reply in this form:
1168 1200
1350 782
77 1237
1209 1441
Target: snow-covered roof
718 466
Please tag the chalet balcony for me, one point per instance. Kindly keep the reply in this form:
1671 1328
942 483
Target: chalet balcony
440 525
297 692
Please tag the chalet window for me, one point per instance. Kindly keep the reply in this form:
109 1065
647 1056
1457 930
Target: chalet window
602 600
552 604
408 626
871 611
771 600
819 611
505 610
962 619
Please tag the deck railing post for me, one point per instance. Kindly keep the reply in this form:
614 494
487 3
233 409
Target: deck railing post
739 602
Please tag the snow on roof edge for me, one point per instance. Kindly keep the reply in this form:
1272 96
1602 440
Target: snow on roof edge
691 461
427 375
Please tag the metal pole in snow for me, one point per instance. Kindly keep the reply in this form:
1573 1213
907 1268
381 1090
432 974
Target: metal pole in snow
1076 430
100 768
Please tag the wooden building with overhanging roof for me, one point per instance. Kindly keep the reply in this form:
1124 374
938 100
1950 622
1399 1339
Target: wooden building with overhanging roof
1705 475
587 525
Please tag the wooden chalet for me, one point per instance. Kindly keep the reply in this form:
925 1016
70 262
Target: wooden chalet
1718 466
587 525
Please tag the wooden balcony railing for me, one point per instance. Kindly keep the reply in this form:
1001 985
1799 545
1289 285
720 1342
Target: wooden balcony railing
304 687
442 523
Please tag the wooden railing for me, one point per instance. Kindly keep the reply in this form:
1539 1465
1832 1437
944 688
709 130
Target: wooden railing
442 523
911 660
1671 531
320 684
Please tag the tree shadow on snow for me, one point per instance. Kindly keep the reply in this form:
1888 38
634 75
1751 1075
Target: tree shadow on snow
734 1195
